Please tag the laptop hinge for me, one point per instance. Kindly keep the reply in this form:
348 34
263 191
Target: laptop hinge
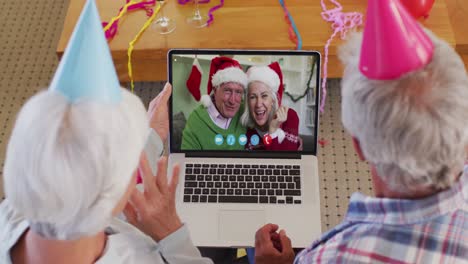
257 155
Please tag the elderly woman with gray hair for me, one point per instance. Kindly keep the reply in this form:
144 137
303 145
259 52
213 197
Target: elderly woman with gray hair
68 175
71 168
264 116
410 125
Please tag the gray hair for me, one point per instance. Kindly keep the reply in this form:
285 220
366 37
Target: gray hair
414 129
246 118
69 164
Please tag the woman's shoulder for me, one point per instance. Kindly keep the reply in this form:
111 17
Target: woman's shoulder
10 220
126 244
13 225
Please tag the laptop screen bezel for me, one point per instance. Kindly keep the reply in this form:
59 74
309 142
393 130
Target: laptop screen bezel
245 153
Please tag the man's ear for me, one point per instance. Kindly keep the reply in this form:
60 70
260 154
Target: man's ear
357 148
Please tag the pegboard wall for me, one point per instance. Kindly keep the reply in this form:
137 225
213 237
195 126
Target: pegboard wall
29 36
340 169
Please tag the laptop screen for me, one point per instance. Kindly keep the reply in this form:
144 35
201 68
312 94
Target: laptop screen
244 101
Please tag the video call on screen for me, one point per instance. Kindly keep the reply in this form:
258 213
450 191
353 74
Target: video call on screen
255 117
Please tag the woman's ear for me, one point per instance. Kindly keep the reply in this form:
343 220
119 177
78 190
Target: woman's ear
357 148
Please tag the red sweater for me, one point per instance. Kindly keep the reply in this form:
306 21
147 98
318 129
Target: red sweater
290 141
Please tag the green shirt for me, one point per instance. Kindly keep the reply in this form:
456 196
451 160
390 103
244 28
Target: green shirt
200 132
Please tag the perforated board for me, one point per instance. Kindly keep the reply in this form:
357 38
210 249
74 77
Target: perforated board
29 34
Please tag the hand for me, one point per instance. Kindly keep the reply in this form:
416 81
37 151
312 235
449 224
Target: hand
280 116
154 211
158 113
272 247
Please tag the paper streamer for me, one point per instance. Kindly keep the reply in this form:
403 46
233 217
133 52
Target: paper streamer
137 37
183 2
293 32
341 23
110 29
322 142
210 12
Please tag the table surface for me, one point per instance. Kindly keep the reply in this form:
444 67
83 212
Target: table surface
240 24
458 14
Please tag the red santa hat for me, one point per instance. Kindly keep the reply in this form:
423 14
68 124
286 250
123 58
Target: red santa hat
270 75
223 70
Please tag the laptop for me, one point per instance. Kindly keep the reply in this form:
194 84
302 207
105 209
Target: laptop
233 181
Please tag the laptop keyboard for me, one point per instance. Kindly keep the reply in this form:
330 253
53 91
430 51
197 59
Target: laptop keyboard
242 183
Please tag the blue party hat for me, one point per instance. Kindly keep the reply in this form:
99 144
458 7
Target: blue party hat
86 71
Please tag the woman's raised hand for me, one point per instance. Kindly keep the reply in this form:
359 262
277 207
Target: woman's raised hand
280 116
154 211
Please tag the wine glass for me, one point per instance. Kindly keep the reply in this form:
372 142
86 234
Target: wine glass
197 19
163 24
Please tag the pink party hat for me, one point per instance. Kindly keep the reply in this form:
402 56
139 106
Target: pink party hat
394 43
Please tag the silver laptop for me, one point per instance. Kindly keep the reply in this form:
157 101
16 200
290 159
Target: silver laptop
234 179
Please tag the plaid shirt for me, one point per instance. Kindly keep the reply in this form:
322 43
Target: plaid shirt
382 230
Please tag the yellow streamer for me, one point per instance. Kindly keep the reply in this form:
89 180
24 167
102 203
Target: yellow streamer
137 37
122 12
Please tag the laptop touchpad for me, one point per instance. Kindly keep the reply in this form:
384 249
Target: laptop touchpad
240 225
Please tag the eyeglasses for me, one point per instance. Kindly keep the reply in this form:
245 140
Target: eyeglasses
227 92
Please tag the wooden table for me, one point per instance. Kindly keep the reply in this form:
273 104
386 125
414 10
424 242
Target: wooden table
240 24
458 13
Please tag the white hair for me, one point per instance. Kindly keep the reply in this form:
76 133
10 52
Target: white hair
246 118
414 129
206 99
69 164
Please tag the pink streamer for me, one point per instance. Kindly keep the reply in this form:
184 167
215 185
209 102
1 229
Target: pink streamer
341 23
110 33
183 2
212 10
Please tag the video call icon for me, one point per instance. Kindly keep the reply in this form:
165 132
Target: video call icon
231 139
219 139
242 140
254 140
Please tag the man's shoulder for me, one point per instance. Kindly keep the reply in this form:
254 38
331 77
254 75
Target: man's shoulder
371 242
349 241
197 117
237 118
197 113
201 109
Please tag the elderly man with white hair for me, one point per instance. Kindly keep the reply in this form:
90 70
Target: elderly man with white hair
407 116
71 168
220 111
